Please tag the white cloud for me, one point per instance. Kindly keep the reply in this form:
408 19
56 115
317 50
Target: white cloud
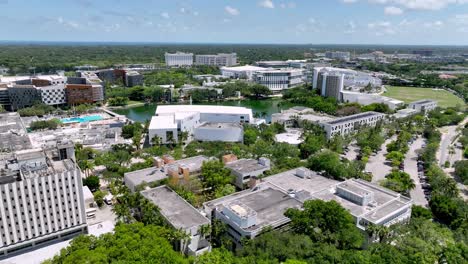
350 27
165 15
68 24
460 19
266 4
349 1
420 4
312 20
381 28
434 25
231 10
393 11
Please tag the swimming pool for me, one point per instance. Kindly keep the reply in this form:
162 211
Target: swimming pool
81 119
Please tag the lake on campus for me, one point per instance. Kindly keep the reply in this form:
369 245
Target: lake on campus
268 106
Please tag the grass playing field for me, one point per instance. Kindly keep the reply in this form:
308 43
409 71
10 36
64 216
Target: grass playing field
410 94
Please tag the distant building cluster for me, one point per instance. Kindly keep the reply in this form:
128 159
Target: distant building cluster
18 92
181 59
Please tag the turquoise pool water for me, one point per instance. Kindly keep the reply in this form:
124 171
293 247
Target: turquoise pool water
81 119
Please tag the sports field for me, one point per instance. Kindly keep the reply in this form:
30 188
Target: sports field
410 94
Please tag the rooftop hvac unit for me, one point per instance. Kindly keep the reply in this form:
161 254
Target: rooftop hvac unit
302 173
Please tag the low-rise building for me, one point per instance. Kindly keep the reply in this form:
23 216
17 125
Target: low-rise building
338 55
403 113
13 133
293 116
424 105
86 88
163 169
292 136
348 124
178 59
220 59
245 169
22 96
367 99
172 119
181 216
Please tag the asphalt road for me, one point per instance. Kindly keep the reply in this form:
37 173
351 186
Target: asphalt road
411 167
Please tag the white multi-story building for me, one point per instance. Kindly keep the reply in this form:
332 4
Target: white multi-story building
338 55
172 119
240 72
53 94
367 99
424 105
41 198
332 81
178 59
278 80
221 59
348 124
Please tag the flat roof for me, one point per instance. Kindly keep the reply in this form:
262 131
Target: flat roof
268 203
163 122
384 201
291 137
214 109
220 125
13 134
193 163
148 175
243 68
178 212
423 101
245 165
353 117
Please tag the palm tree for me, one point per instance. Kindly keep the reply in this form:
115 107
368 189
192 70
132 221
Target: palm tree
205 231
156 141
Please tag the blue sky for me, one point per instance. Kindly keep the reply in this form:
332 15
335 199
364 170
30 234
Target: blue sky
238 21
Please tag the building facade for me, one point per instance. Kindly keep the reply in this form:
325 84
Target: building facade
41 200
278 80
349 124
338 55
22 96
424 105
53 94
220 59
133 78
178 59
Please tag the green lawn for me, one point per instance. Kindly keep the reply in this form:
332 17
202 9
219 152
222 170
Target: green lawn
410 94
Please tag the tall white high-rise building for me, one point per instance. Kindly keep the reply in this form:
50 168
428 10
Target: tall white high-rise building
221 59
178 59
41 198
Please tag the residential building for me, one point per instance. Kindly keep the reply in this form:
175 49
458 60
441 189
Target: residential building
182 216
349 124
278 80
41 198
424 105
221 59
178 59
172 119
133 78
225 132
273 64
53 94
403 113
338 55
244 169
22 96
425 53
240 72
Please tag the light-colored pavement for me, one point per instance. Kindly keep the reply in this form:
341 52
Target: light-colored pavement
411 167
376 164
448 135
352 152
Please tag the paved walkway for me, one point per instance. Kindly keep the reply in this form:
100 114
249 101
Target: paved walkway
411 167
376 164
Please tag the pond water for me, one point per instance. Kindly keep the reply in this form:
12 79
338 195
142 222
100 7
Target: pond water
263 107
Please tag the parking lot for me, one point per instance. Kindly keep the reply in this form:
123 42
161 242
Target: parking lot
377 163
416 172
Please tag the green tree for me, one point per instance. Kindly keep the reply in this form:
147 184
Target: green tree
99 198
399 181
215 175
259 90
92 182
461 170
326 222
